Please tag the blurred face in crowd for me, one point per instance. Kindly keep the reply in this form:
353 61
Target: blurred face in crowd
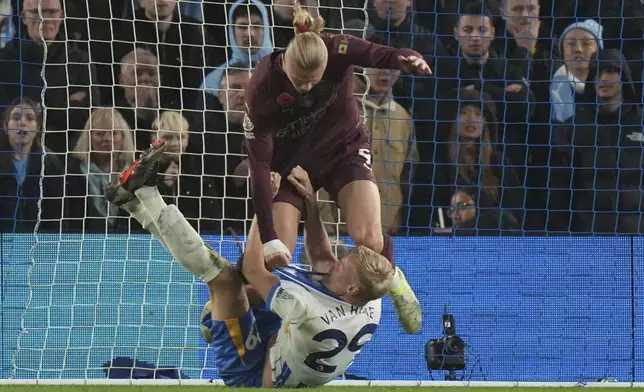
462 209
159 9
141 81
232 94
470 124
249 32
105 139
608 86
475 34
22 127
52 15
284 9
381 80
176 142
578 48
518 14
392 9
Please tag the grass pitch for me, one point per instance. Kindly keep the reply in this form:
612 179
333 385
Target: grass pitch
154 388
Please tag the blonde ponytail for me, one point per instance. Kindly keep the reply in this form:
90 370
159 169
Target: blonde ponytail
307 50
304 22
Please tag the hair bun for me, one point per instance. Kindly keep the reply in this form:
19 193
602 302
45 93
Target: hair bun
304 22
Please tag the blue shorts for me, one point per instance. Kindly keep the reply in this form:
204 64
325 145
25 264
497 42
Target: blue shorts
241 346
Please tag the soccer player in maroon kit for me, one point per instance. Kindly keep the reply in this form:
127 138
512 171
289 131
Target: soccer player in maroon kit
301 112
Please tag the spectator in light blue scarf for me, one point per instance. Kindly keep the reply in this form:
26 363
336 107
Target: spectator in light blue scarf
578 43
7 27
248 43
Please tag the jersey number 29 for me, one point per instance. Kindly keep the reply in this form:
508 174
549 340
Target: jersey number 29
312 360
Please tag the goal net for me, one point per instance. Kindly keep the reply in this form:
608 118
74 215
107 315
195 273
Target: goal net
510 180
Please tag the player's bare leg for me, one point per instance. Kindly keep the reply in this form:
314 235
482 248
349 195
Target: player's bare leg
360 205
135 191
287 219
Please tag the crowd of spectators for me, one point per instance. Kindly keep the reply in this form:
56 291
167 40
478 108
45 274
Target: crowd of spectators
530 124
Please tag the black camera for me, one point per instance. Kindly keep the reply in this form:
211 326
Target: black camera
447 353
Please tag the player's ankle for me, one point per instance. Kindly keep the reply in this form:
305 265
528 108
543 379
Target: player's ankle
137 211
398 283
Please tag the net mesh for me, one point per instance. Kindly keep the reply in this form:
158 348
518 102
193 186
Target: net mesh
523 130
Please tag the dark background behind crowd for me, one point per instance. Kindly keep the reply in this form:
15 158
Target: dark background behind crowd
531 123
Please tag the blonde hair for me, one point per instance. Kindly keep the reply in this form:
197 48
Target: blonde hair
375 273
170 121
307 49
98 117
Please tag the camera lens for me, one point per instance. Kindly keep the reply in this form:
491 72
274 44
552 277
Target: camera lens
454 345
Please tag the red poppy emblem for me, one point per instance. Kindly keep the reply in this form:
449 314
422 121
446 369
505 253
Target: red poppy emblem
285 100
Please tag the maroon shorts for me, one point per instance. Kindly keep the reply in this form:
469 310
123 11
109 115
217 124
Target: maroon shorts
354 167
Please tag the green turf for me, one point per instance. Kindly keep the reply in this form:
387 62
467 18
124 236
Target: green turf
152 388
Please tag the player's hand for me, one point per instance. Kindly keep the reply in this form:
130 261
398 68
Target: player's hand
171 174
78 96
277 260
276 254
415 65
276 180
514 88
302 183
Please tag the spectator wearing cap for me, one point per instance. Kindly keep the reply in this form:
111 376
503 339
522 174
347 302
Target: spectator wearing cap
603 164
578 43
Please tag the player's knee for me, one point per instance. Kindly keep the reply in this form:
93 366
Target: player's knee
227 280
369 238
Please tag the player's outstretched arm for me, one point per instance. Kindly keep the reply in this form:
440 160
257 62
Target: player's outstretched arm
357 51
254 268
316 240
260 145
278 300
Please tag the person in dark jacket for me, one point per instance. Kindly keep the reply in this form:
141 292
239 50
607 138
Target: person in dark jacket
68 73
21 164
468 218
469 155
529 35
177 41
105 149
182 180
597 172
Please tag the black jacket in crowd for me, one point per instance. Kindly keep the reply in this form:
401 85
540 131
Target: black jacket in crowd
597 167
67 71
180 53
197 196
19 203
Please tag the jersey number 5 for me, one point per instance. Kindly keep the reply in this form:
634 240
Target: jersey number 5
312 360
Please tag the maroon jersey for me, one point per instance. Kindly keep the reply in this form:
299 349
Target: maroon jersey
315 130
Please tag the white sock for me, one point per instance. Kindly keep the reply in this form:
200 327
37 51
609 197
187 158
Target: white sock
139 212
152 202
135 209
186 246
397 282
